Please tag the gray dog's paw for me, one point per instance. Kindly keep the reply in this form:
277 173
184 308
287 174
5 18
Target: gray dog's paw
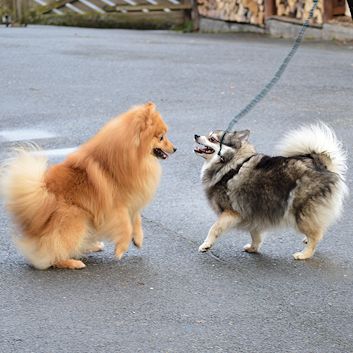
204 247
250 248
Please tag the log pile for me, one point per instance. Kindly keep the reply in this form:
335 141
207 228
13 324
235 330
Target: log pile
300 9
348 12
242 11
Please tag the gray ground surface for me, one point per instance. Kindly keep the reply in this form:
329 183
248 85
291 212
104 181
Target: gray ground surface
168 297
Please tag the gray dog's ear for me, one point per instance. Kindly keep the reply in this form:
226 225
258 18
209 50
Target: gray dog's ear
242 135
235 138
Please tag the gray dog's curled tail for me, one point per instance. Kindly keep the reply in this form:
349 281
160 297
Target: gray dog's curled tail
316 139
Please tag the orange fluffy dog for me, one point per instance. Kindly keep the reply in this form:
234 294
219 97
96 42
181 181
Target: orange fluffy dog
96 193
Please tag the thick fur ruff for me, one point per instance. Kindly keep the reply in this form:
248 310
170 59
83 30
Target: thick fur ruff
96 193
303 188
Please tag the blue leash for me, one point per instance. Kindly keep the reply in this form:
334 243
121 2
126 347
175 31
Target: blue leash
262 94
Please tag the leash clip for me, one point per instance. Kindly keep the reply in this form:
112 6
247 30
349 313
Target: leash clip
222 159
220 148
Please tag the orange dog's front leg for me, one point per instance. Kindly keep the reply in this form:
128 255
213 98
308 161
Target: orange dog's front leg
137 231
121 232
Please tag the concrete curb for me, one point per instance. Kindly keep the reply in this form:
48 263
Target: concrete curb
281 28
219 26
337 32
289 30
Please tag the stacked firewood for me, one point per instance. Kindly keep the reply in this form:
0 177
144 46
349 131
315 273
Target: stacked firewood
348 12
243 11
299 9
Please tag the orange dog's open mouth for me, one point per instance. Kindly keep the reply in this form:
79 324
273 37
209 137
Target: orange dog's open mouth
160 153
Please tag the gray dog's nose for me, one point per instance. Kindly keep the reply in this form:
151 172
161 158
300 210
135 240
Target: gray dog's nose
196 136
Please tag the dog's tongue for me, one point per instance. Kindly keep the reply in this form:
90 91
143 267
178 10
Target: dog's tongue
203 149
198 149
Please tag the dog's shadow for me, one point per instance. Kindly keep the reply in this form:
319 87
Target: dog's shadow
269 264
137 269
103 273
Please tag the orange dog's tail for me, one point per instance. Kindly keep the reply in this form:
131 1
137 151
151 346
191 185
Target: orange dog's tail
35 210
24 191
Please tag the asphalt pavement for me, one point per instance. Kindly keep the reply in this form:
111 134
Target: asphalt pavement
60 85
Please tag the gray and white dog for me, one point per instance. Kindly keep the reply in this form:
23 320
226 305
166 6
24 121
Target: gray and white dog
303 187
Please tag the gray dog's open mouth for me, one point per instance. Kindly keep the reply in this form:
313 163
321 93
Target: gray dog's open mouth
203 149
160 153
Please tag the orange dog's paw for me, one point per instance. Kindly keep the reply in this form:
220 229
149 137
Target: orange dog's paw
138 240
70 264
137 244
95 247
121 249
119 253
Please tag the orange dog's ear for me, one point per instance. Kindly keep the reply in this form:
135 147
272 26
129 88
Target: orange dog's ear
150 107
145 127
148 112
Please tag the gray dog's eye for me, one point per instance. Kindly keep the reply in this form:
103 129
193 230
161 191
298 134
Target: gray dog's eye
212 139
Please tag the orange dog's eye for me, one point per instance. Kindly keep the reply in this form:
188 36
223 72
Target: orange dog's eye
161 138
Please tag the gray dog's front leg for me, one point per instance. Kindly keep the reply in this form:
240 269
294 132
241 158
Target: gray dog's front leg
226 221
